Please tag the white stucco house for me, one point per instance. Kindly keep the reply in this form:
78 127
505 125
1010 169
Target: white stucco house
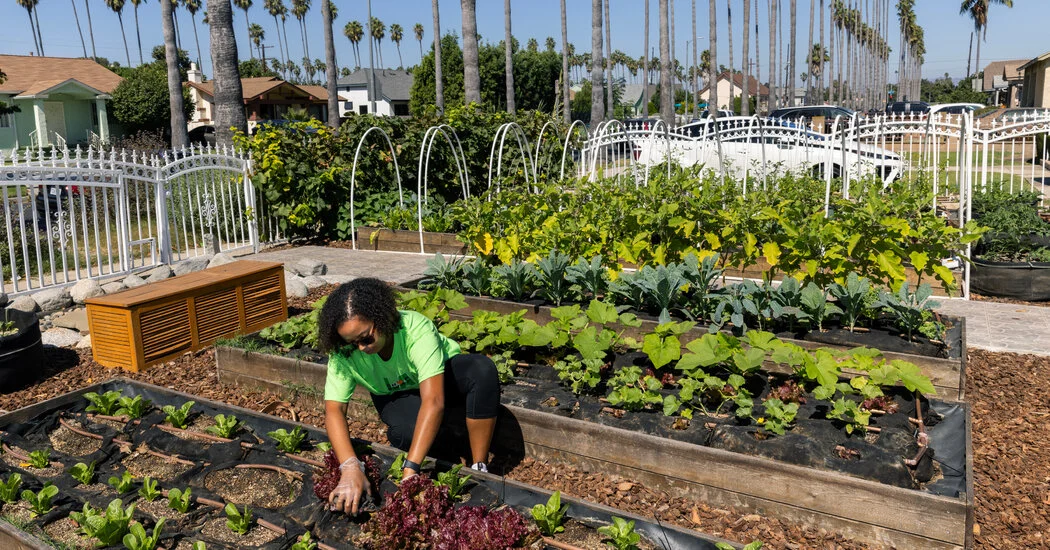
730 87
393 88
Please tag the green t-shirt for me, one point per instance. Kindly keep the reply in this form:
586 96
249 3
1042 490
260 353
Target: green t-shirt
420 352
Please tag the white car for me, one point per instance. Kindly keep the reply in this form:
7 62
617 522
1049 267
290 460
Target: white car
764 149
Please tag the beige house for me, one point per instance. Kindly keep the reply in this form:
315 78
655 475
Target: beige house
265 98
1003 81
1036 82
731 87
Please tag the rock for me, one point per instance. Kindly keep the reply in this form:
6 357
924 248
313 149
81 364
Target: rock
133 281
309 267
294 287
3 299
337 279
24 303
313 281
114 287
60 337
76 320
53 299
84 342
158 273
87 288
191 265
221 258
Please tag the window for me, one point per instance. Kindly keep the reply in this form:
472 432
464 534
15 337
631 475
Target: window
6 120
401 109
348 106
363 109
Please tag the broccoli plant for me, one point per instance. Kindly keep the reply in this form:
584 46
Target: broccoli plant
122 484
225 426
451 479
304 543
178 417
620 534
179 500
105 404
84 473
40 502
9 490
138 539
149 489
134 407
107 527
549 517
40 459
238 521
289 442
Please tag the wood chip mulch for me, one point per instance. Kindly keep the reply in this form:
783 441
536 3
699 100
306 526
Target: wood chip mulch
1010 426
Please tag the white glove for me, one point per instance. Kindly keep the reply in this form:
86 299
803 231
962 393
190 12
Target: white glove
352 485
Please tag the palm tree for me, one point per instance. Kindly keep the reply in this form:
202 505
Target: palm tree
666 101
377 31
812 20
439 82
354 32
228 109
773 104
508 57
331 67
30 5
549 44
418 30
256 34
277 9
244 5
471 75
609 107
745 99
396 34
179 137
978 11
91 29
566 108
192 6
138 34
791 56
597 95
820 84
118 6
816 60
299 9
80 31
712 84
729 27
645 58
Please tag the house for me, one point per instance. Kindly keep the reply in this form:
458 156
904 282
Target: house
61 101
634 95
393 88
1003 81
265 98
1036 87
729 87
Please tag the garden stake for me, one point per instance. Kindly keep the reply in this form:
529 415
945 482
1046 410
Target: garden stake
277 469
921 437
127 445
560 545
78 431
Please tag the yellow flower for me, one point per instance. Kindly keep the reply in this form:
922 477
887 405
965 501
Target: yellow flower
761 420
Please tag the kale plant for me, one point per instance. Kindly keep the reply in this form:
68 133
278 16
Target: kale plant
851 298
442 273
516 279
476 278
551 277
908 308
590 277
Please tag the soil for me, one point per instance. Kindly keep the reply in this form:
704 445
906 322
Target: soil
257 488
199 424
71 443
19 512
142 464
979 297
114 424
578 534
216 529
157 509
67 532
52 470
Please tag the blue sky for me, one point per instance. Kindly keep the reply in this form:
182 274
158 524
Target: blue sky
1012 34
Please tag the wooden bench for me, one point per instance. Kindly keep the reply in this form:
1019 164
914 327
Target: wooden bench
143 326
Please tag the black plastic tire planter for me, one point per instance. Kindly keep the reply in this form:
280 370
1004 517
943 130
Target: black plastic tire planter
22 353
1021 281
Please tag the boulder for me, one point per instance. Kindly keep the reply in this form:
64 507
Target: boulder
133 281
337 279
3 299
24 303
114 287
221 258
87 288
85 342
313 281
308 267
294 287
76 320
60 337
53 299
157 274
191 265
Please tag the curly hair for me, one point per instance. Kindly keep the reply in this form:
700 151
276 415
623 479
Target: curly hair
367 298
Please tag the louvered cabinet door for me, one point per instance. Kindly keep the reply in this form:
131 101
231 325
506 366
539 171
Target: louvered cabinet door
165 331
264 302
217 315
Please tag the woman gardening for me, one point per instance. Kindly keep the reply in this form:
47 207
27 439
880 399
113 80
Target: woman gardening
413 373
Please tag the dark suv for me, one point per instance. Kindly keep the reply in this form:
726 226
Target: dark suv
908 108
808 113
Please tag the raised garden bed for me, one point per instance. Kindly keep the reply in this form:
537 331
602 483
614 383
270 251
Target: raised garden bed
21 350
1028 281
830 495
235 465
401 240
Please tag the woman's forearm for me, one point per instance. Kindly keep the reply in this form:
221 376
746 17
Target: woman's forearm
338 430
427 425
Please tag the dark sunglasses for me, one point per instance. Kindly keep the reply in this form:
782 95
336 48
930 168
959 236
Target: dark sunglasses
366 339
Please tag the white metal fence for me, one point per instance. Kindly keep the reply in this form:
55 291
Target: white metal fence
69 215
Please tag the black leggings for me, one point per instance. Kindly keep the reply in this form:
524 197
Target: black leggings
471 390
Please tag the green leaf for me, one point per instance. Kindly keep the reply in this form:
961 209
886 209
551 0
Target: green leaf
913 379
919 260
771 251
602 313
671 405
661 351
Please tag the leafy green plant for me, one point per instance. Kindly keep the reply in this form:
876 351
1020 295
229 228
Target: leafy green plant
9 489
199 545
753 545
516 279
84 473
787 302
225 426
551 277
323 446
107 527
590 277
178 417
816 306
133 407
621 534
396 471
632 391
451 479
105 404
549 517
122 484
289 442
476 278
849 412
40 459
238 521
778 415
149 489
179 500
40 502
443 273
138 539
304 543
909 308
851 298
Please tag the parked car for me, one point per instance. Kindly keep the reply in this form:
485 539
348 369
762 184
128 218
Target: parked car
644 123
954 108
899 108
722 113
204 135
809 113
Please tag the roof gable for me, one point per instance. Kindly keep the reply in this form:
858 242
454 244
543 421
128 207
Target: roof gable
391 84
28 72
252 88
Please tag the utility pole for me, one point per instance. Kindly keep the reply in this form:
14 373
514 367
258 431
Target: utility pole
262 51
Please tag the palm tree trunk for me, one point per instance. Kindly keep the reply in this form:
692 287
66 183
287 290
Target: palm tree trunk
666 101
36 43
127 52
284 33
609 102
597 94
758 65
179 137
745 94
91 29
785 101
39 35
229 98
773 103
471 76
823 51
692 69
331 67
197 41
280 45
80 31
712 106
508 61
792 54
809 60
175 18
439 83
138 33
645 57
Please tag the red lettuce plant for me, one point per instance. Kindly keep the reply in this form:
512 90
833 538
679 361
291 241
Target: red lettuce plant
477 528
325 483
